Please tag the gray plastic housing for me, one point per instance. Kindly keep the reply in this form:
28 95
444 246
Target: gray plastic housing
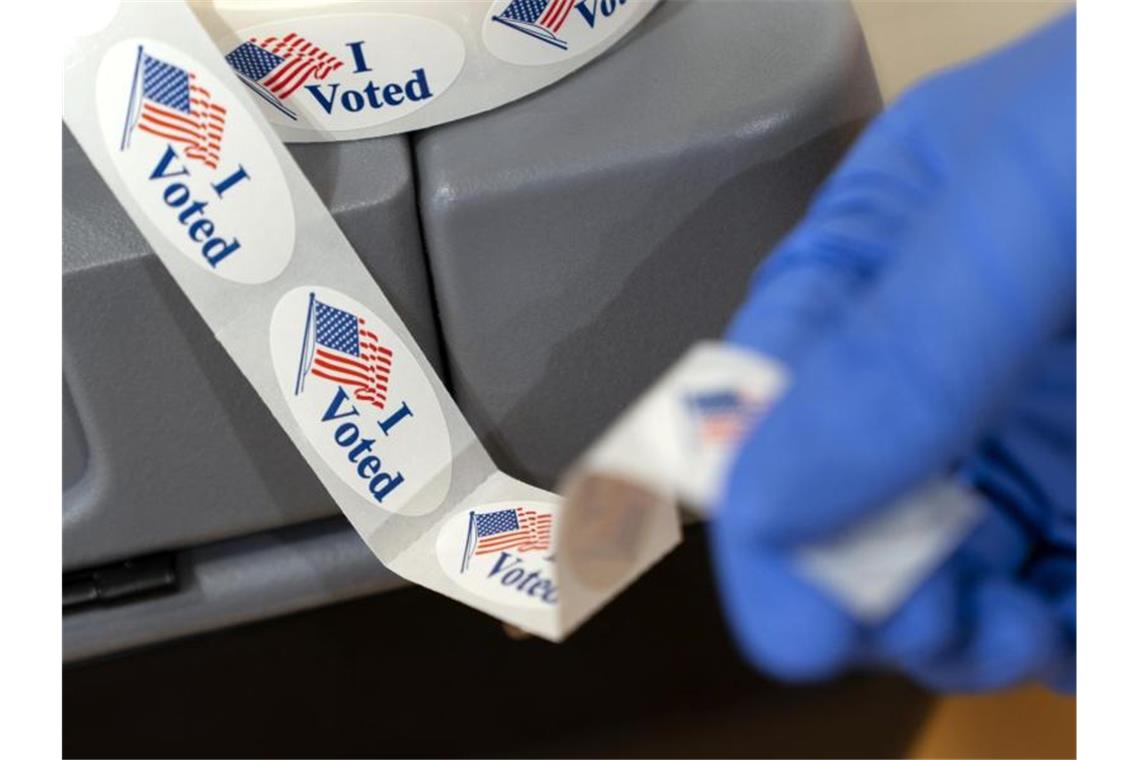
574 243
580 241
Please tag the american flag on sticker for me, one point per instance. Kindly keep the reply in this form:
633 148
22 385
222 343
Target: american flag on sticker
540 19
723 416
276 67
167 102
523 530
338 347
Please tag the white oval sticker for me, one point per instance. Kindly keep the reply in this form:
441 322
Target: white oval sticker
195 161
537 32
346 72
361 399
503 552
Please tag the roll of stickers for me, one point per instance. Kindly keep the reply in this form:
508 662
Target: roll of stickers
324 71
179 140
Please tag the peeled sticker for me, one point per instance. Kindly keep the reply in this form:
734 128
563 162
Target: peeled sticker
677 442
326 71
197 166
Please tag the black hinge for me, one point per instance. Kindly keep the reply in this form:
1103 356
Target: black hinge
152 574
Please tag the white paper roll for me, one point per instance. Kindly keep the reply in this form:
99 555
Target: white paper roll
325 70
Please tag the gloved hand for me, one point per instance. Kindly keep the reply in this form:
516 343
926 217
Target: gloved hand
926 308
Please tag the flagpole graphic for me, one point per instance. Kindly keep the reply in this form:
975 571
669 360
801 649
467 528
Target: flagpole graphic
469 545
300 384
127 125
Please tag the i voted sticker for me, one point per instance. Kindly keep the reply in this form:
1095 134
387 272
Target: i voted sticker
503 552
361 399
537 32
194 161
346 72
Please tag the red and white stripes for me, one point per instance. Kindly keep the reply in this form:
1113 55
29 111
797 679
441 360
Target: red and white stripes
303 60
367 375
200 130
555 14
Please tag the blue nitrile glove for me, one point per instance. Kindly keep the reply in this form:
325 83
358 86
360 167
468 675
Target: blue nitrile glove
926 308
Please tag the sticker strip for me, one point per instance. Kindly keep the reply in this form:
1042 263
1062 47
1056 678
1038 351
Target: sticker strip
179 141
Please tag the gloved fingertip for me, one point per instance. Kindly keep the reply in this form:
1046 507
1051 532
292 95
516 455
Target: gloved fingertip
781 623
1014 638
1018 636
926 626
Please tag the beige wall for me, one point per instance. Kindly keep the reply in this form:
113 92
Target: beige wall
910 38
